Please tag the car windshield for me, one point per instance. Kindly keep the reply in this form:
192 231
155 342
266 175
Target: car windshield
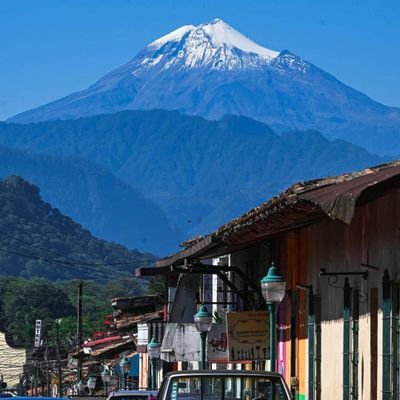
226 388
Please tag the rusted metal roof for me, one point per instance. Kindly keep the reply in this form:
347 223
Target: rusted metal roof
92 343
306 202
129 342
129 321
302 204
338 200
197 249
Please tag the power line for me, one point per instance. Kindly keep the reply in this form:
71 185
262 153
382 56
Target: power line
80 262
64 263
99 268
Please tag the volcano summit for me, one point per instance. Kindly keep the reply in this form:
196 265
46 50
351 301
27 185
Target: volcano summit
212 70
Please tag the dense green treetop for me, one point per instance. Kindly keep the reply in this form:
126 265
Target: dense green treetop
23 301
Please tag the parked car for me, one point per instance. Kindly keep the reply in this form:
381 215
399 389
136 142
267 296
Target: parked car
133 395
223 385
38 398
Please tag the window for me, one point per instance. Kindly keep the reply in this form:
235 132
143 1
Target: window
225 388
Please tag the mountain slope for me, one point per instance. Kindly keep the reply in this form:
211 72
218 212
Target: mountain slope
201 173
38 241
213 70
94 197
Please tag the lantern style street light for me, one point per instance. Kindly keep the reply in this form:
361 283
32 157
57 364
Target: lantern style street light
125 366
80 385
153 349
203 322
106 378
273 288
91 384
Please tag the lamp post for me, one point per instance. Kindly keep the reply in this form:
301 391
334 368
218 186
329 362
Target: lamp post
273 288
106 377
203 322
91 384
153 349
80 385
125 366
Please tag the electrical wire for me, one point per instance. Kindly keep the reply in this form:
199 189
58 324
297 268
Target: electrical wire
80 262
99 268
59 263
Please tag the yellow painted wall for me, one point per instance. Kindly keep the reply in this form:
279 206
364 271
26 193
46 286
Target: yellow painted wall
365 358
380 354
143 370
331 360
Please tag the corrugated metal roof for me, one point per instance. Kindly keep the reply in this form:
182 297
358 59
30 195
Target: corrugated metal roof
113 346
128 321
92 343
302 204
305 202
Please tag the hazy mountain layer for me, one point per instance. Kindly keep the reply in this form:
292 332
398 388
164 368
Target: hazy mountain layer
91 195
201 173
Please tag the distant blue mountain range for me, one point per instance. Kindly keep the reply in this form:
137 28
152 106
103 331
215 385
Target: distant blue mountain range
212 70
94 197
244 123
200 173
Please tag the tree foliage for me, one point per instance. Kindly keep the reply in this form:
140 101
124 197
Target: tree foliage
23 301
36 240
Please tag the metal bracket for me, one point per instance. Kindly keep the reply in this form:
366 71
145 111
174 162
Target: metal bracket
363 274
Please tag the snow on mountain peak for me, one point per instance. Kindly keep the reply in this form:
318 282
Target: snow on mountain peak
215 44
223 34
174 36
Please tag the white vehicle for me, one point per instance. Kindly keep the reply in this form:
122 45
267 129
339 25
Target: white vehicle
223 385
133 395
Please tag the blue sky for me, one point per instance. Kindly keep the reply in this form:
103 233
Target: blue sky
50 48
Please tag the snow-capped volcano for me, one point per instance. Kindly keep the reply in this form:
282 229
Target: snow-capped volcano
212 70
215 45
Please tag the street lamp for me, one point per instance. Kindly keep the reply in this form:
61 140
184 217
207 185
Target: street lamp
273 288
153 349
91 384
203 322
80 385
106 377
125 366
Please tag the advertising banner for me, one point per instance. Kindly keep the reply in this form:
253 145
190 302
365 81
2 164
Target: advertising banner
217 340
248 335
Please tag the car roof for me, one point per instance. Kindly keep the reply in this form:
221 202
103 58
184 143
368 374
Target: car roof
132 392
224 372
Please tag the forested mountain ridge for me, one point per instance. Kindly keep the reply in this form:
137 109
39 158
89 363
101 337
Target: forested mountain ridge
201 173
36 240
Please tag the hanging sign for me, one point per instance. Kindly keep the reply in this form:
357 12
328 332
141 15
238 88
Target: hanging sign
248 336
38 333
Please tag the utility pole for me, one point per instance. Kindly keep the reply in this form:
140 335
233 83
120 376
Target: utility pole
79 332
46 360
36 378
59 358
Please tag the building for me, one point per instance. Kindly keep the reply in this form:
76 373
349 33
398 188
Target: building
336 243
119 341
12 361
